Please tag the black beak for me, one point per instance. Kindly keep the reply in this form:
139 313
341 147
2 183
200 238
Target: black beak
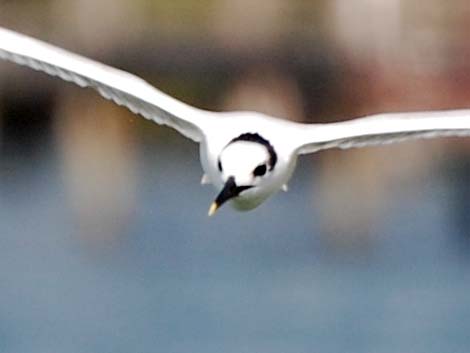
230 190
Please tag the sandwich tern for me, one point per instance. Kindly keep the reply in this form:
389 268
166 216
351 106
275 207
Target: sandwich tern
247 156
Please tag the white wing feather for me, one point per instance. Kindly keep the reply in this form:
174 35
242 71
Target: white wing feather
384 129
116 85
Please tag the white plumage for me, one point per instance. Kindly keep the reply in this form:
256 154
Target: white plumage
283 139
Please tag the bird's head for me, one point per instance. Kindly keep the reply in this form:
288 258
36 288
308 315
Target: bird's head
245 166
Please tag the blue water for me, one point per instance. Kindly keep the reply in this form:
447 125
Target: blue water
177 281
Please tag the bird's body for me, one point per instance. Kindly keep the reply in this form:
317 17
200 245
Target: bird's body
248 156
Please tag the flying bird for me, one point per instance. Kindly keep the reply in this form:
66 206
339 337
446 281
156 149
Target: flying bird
247 156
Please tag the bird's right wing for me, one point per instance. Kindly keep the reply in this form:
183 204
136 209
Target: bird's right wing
116 85
382 129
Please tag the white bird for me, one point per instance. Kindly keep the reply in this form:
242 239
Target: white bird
247 156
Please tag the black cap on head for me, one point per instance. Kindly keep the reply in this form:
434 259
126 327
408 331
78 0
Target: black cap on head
254 137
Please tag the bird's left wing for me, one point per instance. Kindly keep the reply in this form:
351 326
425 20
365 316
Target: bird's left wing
383 129
116 85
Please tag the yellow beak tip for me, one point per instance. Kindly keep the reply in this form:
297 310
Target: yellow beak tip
213 209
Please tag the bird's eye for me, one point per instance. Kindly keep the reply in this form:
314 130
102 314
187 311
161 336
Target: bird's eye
219 165
260 170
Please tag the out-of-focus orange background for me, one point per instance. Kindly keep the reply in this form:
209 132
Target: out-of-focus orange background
104 241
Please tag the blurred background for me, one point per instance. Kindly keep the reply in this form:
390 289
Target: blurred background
105 245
